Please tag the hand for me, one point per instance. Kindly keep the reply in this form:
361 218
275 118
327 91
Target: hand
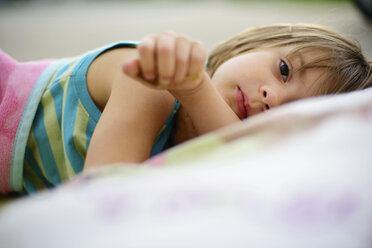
169 61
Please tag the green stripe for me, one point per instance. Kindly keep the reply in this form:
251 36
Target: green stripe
36 183
80 137
32 145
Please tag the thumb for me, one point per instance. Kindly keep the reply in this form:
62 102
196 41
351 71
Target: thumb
132 68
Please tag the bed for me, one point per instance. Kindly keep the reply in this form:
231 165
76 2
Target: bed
295 176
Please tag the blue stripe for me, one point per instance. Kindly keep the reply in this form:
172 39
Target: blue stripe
42 140
29 186
57 93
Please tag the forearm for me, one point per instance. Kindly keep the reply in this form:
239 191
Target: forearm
206 107
172 62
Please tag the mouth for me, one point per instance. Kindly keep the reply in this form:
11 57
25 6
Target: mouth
242 102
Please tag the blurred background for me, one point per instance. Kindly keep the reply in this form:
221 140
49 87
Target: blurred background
36 29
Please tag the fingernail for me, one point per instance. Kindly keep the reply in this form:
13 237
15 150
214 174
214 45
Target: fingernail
164 81
127 66
150 77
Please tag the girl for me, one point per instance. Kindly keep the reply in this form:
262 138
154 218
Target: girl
125 103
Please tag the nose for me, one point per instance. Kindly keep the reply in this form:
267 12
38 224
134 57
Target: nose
269 96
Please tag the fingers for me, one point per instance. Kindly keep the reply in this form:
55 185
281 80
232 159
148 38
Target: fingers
132 68
146 50
182 60
165 57
197 60
168 58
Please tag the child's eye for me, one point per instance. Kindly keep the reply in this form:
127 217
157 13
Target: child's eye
284 70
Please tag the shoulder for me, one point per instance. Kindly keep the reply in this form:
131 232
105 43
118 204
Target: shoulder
132 113
107 70
101 73
109 85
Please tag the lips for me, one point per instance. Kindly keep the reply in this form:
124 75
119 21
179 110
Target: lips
242 102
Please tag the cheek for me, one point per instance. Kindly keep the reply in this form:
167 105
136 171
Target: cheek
227 68
223 80
225 88
224 75
219 77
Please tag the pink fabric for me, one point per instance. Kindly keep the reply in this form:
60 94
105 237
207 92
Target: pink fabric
16 82
158 160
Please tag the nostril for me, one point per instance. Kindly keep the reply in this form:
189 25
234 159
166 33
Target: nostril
265 94
267 106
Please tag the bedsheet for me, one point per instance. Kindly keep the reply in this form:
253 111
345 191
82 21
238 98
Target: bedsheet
296 176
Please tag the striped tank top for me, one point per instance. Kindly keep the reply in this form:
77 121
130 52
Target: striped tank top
64 123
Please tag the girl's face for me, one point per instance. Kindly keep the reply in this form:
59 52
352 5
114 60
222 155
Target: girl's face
262 79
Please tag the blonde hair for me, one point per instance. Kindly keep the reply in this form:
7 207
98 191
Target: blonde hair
347 68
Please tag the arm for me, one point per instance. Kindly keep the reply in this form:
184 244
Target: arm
176 63
206 107
132 113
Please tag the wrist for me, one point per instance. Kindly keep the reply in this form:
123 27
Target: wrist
201 85
206 107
